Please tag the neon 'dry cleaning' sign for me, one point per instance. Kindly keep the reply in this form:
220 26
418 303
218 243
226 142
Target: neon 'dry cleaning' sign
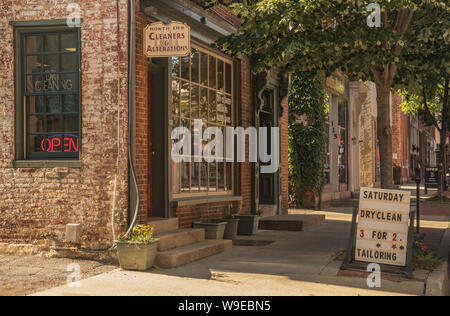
54 143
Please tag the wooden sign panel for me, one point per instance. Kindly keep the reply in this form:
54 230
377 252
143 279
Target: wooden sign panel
167 40
383 227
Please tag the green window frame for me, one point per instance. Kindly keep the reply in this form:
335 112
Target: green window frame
48 93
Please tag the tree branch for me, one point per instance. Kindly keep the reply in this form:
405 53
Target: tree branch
425 103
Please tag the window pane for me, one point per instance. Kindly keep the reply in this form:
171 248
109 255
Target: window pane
195 177
54 123
68 82
69 42
228 111
71 143
71 123
204 104
194 102
204 177
56 143
36 104
176 66
51 63
176 97
34 64
221 176
212 106
204 69
212 72
36 124
185 97
228 78
50 82
220 75
37 143
185 174
34 83
51 43
212 177
175 167
33 44
68 62
53 104
229 179
195 71
185 67
70 103
220 109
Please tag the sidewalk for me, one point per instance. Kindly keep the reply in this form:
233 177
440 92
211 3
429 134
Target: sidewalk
295 263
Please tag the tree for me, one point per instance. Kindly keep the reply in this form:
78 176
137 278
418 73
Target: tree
425 72
323 36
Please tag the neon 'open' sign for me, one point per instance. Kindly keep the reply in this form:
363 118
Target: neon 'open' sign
54 143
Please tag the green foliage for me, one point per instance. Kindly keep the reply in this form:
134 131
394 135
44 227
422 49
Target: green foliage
307 143
327 35
423 258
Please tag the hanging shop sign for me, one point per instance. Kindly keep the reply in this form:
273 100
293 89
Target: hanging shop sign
167 40
432 178
382 230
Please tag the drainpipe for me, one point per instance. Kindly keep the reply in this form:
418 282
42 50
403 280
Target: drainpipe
131 108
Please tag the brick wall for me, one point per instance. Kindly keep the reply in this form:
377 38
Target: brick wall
245 120
143 128
36 204
203 212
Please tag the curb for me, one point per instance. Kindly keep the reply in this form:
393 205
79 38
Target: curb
437 283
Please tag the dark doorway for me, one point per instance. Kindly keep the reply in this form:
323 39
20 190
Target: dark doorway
267 180
157 99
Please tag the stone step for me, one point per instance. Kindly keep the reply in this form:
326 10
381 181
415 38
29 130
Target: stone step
179 238
291 222
179 256
163 225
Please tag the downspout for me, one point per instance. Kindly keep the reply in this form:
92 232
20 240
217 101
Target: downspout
131 105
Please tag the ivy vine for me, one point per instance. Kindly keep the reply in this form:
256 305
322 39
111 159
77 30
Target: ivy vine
308 133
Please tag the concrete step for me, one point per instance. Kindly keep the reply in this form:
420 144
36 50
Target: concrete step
179 238
291 222
345 203
179 256
163 225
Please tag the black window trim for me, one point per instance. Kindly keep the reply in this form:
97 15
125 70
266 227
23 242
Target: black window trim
21 157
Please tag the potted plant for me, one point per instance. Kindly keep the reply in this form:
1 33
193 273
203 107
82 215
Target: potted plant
137 251
248 223
214 228
232 224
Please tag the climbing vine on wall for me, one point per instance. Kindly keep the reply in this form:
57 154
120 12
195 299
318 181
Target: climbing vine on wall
308 132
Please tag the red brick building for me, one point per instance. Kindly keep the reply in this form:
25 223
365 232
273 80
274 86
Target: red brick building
78 101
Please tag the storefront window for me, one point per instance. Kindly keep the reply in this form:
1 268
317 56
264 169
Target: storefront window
202 89
50 76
